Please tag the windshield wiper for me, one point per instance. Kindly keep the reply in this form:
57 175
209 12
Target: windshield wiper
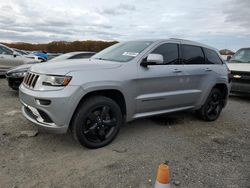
236 60
99 58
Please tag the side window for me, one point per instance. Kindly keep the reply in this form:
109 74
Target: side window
212 57
1 51
192 55
169 51
5 51
81 56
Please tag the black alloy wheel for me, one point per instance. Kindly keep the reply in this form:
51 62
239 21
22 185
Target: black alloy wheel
212 108
100 124
97 122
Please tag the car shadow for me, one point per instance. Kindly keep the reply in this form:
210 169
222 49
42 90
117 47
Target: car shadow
129 131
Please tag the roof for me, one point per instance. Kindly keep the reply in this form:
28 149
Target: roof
183 41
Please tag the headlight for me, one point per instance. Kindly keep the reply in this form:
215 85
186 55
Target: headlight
18 74
56 81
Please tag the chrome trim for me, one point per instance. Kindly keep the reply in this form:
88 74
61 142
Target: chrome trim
30 80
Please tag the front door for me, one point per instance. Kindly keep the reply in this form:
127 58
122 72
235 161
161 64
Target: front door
160 86
7 59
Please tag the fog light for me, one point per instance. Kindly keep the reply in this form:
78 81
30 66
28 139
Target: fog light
44 102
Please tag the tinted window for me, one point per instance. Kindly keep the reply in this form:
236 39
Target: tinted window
169 52
21 52
192 55
6 51
82 56
212 57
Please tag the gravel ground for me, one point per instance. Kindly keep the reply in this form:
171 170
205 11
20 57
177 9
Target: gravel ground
200 154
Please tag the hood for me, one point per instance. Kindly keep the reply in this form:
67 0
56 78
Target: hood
64 67
243 67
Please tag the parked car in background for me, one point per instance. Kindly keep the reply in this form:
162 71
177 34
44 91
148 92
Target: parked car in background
27 54
15 75
52 55
10 58
239 65
42 55
73 55
126 81
20 51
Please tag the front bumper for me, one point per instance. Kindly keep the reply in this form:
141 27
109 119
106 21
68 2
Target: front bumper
50 110
238 87
240 82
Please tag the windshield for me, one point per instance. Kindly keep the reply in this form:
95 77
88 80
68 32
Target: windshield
241 56
61 57
122 52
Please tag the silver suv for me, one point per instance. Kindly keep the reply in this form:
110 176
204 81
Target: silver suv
126 81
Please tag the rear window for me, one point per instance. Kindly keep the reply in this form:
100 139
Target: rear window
192 55
212 57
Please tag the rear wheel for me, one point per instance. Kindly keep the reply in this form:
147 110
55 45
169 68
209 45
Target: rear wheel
211 110
97 122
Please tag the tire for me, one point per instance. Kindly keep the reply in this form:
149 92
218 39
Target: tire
212 108
96 122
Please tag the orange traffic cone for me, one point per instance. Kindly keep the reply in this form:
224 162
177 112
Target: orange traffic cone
163 179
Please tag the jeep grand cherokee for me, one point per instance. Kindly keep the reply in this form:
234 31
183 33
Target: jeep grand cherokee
128 80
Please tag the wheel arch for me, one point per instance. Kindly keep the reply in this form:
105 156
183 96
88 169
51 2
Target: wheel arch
224 90
113 94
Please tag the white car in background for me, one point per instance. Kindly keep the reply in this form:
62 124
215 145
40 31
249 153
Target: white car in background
239 65
10 58
15 75
27 54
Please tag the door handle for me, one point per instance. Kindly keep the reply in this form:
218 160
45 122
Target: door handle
208 70
177 71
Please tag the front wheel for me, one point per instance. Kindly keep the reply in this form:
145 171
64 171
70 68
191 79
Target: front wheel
212 108
97 122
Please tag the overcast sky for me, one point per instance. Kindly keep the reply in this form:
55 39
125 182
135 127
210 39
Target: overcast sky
220 23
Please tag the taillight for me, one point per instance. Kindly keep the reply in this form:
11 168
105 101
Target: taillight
229 75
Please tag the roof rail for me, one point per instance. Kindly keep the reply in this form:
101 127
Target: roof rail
181 39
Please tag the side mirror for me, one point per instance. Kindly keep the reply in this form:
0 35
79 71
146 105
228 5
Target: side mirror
153 59
15 54
229 57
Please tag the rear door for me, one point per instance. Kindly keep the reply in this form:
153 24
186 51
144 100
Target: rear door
160 86
197 73
214 67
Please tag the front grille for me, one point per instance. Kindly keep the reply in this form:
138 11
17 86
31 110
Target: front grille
30 79
241 77
241 73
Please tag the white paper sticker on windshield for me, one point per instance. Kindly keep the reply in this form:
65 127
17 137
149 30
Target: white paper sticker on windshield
132 54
